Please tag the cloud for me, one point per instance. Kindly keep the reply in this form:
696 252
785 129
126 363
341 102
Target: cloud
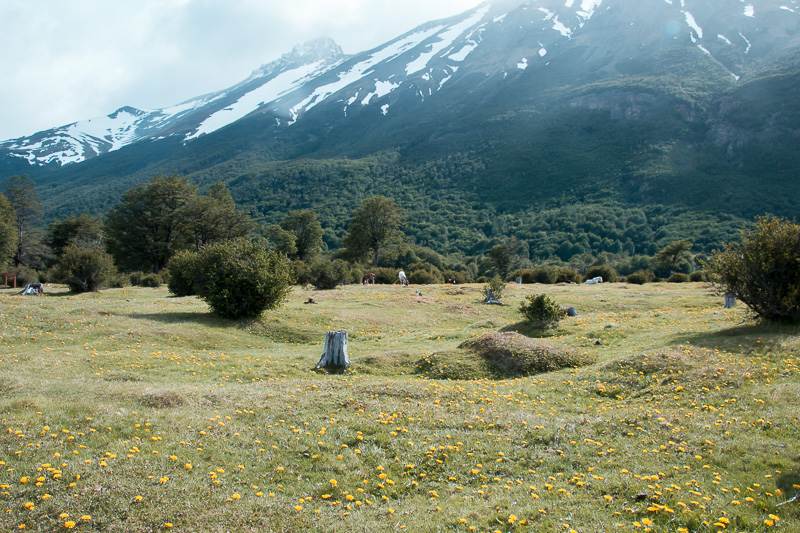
69 61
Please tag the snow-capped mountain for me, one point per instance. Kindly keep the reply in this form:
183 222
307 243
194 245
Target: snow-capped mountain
501 40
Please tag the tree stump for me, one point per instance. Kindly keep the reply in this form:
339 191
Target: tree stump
334 353
491 299
730 300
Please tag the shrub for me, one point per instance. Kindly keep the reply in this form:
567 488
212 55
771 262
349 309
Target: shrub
541 308
544 275
152 281
700 275
566 275
606 272
240 279
385 275
678 277
84 269
136 278
640 277
118 281
526 274
424 274
182 268
458 276
763 270
496 285
326 275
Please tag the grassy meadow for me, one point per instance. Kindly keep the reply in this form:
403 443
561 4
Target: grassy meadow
132 410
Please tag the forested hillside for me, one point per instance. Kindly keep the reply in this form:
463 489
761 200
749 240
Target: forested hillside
593 145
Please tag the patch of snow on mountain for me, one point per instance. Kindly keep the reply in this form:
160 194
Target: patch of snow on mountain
588 7
561 28
787 8
382 88
569 3
547 14
522 65
723 38
446 39
542 52
693 24
280 84
749 11
357 71
385 109
745 40
462 54
118 129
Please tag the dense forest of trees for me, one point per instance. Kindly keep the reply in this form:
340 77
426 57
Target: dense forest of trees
448 235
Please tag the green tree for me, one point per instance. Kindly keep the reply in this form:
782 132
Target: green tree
280 240
8 232
308 234
669 257
150 223
763 270
83 230
24 198
374 227
214 217
84 269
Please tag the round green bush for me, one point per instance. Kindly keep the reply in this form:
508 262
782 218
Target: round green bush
763 270
541 308
182 269
700 275
424 274
545 275
606 272
240 279
152 281
640 277
326 275
566 275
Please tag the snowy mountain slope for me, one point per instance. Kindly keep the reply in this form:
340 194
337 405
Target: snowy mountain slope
506 39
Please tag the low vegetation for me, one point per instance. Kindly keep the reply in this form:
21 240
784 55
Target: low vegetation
132 409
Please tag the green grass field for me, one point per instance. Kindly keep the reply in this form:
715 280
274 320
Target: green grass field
131 410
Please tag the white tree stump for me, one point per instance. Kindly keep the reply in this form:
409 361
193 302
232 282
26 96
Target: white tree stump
334 353
730 300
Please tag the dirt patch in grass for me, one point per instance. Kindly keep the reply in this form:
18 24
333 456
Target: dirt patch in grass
8 387
463 309
161 400
667 361
279 331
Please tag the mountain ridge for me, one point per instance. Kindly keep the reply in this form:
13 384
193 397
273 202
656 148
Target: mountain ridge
503 111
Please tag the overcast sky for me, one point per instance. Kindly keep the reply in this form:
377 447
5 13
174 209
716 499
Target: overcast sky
67 60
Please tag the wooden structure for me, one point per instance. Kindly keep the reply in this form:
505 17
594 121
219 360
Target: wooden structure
6 278
334 353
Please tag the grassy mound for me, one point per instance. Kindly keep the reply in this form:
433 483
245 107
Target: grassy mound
511 354
501 355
